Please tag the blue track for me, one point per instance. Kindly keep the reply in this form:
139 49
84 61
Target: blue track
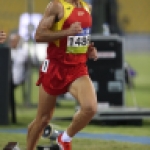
112 137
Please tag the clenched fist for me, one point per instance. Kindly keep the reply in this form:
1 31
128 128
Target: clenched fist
92 52
75 28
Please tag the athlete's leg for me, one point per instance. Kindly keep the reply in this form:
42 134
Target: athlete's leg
82 89
45 110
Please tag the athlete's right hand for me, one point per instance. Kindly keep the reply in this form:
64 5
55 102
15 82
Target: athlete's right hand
75 28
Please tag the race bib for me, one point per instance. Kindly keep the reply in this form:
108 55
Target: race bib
45 65
78 43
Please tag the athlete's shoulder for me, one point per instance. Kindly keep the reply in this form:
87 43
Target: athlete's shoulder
54 3
89 6
54 6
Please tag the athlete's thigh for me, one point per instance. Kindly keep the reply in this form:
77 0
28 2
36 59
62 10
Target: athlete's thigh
46 103
83 90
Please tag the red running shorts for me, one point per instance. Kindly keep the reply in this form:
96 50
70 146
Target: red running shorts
56 78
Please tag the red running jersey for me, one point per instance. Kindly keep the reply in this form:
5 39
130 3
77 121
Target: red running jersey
71 50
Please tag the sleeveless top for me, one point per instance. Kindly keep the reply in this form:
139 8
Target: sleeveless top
71 50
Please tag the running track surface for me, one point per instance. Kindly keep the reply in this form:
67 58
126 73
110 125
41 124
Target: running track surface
112 137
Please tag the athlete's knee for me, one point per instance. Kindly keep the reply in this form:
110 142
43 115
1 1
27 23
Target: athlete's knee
45 120
29 128
30 125
42 120
89 109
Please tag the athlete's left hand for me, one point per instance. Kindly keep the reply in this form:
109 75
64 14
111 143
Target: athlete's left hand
92 52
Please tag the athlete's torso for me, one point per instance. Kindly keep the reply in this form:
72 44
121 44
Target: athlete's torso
72 49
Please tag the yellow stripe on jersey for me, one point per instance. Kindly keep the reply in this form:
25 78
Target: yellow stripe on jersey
85 5
58 26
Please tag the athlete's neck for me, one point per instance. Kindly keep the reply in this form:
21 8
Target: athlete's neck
74 2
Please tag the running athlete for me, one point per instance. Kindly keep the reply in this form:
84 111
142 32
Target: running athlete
2 37
66 27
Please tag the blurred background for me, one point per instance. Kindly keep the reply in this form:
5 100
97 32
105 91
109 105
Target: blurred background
119 26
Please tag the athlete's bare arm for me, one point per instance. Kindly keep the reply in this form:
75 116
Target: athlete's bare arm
92 50
90 7
44 32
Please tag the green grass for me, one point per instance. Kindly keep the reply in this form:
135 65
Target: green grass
78 144
141 63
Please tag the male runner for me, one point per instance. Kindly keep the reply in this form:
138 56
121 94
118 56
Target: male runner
2 36
66 27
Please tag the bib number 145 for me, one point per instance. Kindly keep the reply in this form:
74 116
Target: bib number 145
78 41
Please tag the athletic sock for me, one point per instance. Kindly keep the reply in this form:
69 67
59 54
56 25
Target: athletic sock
65 137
